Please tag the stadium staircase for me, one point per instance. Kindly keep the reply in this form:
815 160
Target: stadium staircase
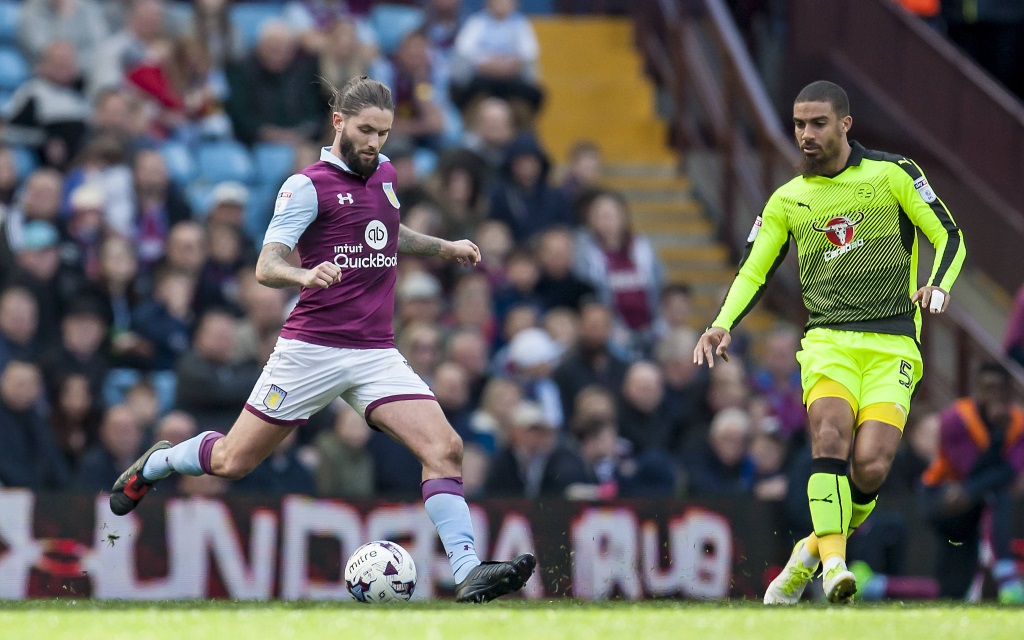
596 90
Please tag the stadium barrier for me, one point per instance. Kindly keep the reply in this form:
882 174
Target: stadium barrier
292 547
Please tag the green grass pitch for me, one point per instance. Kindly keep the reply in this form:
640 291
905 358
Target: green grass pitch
219 620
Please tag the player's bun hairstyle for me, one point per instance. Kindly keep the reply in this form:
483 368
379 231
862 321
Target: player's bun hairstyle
825 91
359 93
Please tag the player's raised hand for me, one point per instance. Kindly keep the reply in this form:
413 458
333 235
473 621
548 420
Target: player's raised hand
322 275
932 298
714 342
463 252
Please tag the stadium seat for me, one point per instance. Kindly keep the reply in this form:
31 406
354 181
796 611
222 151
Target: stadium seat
181 166
13 68
179 15
10 12
25 161
222 161
198 196
248 19
273 162
259 211
392 21
530 7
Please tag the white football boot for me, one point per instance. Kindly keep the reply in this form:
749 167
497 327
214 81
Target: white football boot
789 585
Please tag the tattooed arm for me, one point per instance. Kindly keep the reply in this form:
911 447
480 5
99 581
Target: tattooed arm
272 270
413 243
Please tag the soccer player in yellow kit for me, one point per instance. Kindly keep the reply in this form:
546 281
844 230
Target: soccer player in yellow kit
853 214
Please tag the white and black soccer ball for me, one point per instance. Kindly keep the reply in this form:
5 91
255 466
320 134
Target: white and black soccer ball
380 571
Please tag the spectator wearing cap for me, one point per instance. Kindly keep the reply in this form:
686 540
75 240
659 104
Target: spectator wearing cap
532 356
83 333
522 197
38 268
418 298
19 323
159 205
496 54
29 455
210 385
273 94
533 463
86 228
48 113
592 361
227 203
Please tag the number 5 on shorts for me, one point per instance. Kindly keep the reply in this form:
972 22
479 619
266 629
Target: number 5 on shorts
905 370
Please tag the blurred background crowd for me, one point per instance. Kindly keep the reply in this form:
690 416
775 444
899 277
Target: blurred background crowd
144 143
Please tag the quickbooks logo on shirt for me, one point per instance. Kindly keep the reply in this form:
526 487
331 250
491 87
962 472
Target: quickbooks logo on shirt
376 236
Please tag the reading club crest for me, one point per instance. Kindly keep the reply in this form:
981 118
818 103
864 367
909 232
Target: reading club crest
389 191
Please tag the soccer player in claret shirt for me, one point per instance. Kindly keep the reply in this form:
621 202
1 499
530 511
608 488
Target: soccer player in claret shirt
853 214
342 216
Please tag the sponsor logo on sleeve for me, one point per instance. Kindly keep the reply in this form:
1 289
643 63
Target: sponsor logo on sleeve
754 230
925 189
282 201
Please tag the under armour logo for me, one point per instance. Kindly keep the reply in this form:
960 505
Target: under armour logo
465 547
827 499
345 198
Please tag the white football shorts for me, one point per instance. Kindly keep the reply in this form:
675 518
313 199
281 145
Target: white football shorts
301 378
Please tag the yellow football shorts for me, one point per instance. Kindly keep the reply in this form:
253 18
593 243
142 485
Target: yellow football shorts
875 372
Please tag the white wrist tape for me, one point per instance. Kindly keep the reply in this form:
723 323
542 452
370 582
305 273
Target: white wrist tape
937 299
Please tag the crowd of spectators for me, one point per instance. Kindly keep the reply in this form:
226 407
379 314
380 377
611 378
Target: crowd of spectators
129 310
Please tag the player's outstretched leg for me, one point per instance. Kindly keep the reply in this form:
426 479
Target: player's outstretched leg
789 585
191 458
490 580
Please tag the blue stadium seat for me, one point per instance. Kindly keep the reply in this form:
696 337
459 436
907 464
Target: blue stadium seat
248 18
392 22
259 211
13 68
10 12
222 161
179 15
181 166
25 161
198 196
273 162
530 7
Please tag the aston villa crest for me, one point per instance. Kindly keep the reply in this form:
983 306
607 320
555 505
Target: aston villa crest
389 190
